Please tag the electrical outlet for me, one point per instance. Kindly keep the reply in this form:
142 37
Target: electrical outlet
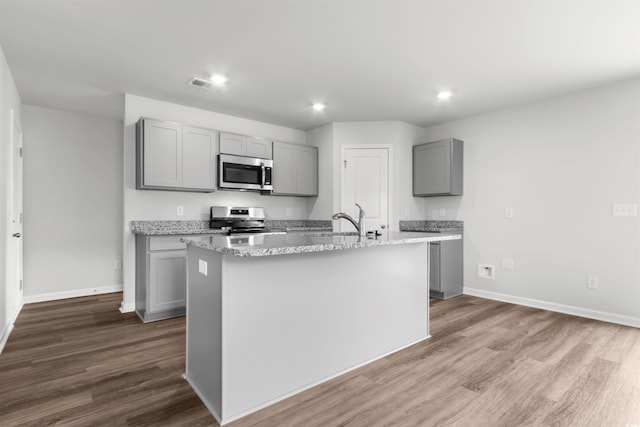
288 212
442 211
508 213
202 267
507 264
180 210
117 265
592 282
406 212
486 271
624 209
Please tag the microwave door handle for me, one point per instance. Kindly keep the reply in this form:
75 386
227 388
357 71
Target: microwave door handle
263 175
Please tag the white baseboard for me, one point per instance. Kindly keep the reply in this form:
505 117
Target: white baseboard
72 294
560 308
7 330
127 308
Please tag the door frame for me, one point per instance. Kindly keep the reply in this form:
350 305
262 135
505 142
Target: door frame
10 276
391 200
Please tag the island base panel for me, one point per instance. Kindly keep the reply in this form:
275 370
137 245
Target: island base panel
260 329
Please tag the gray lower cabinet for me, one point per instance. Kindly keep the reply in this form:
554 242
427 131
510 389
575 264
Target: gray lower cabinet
437 168
161 275
446 269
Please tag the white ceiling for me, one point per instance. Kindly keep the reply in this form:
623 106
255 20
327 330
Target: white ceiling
369 60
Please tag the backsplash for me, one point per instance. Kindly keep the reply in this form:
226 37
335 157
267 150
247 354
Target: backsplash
202 226
299 224
431 225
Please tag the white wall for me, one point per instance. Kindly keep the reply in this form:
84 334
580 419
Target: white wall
9 100
401 136
72 203
560 164
161 205
321 207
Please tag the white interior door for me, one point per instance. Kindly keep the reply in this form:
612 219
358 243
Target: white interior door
365 180
14 292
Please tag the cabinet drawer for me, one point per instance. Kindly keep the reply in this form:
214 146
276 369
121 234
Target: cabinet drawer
166 243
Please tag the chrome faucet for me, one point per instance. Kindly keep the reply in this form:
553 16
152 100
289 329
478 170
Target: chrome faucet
360 225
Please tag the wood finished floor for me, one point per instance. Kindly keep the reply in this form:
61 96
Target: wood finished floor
80 362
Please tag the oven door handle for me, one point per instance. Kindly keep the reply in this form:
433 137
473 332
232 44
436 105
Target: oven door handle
264 175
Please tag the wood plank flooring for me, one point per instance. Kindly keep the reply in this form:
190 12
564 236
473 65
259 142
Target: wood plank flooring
80 362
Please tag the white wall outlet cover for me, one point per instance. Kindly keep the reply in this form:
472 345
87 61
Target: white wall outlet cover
508 212
202 267
592 282
442 212
486 271
180 210
624 209
117 265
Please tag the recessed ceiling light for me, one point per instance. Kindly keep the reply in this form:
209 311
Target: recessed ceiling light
318 106
445 94
218 79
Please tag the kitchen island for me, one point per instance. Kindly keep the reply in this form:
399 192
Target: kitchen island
269 316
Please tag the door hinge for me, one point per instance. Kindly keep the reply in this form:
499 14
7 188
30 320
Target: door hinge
20 284
20 217
20 152
345 163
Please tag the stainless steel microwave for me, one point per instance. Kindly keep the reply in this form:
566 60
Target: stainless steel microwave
244 173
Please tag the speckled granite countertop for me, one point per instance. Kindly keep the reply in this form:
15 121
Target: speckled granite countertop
431 225
186 227
293 243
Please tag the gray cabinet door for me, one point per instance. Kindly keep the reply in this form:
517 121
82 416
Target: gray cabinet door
167 280
230 143
284 174
162 154
306 171
258 147
434 267
199 158
437 168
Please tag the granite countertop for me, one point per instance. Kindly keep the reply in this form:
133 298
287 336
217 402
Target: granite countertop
293 243
190 227
430 225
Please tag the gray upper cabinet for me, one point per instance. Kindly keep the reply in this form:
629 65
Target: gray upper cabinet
437 168
259 147
174 157
295 169
199 158
159 153
242 145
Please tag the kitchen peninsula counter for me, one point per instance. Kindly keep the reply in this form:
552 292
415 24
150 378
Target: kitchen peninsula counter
258 245
269 316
